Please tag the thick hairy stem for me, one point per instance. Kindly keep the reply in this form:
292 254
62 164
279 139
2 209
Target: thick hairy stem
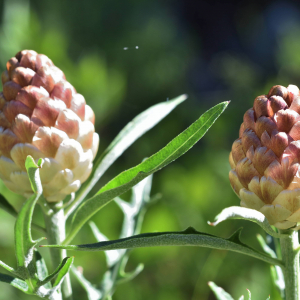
55 226
290 257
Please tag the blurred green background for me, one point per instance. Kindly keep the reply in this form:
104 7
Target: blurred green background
213 51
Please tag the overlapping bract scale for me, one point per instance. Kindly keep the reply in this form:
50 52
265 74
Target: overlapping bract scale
42 115
265 159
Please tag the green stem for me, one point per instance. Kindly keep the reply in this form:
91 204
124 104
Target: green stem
55 226
290 257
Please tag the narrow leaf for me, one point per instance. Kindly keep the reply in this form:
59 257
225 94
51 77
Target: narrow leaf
189 237
128 135
127 179
15 282
249 294
23 240
63 269
92 292
237 212
59 272
9 269
219 292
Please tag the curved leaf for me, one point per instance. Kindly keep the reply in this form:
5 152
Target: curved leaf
128 135
189 237
23 240
237 212
127 179
60 271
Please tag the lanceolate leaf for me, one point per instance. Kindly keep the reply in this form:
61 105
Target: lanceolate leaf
127 179
237 212
128 135
189 237
219 292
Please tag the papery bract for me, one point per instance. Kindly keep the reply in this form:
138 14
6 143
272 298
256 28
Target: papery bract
42 115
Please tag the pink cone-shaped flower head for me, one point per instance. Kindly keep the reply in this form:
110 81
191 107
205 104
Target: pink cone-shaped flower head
42 115
265 159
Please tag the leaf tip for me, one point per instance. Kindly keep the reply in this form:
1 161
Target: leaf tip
211 223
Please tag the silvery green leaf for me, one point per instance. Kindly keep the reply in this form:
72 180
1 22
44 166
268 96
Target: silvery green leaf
128 135
15 282
237 212
242 297
219 292
92 292
41 269
188 237
129 178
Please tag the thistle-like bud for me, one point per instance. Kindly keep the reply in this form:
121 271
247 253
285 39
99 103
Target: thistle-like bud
265 159
42 115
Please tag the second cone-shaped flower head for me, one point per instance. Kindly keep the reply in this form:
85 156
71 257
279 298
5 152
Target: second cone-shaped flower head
265 159
42 115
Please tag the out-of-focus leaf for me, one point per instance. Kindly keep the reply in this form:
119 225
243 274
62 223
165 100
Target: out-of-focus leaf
237 212
276 272
111 256
188 237
15 282
8 268
92 292
127 179
6 206
128 135
127 276
219 292
265 247
249 294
